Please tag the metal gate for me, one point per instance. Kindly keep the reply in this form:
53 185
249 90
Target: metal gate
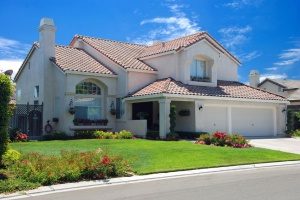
28 119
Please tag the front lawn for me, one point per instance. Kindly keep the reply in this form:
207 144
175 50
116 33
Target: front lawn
148 156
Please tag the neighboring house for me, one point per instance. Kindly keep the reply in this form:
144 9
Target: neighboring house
284 87
133 86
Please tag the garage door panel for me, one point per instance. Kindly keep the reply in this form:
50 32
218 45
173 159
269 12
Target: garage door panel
253 121
214 118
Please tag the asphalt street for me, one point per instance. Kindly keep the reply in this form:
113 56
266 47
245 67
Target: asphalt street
278 183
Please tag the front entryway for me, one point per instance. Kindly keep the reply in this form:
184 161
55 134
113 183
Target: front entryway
148 111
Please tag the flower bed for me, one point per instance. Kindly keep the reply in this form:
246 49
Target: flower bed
35 169
223 139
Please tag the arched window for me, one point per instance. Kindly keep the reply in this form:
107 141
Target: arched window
88 88
88 102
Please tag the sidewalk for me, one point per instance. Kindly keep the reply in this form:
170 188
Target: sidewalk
133 179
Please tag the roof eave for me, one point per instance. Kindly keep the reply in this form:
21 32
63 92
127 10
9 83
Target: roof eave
198 97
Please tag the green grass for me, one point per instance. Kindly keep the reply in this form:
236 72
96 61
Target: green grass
148 156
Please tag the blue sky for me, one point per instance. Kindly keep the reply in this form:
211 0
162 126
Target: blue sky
263 34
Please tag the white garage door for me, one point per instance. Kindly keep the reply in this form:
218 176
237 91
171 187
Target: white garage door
214 119
253 121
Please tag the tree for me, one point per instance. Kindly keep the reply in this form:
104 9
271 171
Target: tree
5 95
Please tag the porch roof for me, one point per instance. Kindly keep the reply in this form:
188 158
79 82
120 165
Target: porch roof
228 89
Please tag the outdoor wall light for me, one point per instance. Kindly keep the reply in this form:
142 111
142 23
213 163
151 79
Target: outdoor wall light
283 110
200 107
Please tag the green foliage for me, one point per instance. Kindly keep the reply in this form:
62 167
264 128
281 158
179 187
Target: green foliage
69 166
56 135
189 135
84 134
13 185
152 135
172 116
5 94
295 133
205 138
10 157
292 118
223 139
124 135
172 137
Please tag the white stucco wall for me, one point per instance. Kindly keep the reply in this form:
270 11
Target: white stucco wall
185 123
137 127
138 80
177 65
109 90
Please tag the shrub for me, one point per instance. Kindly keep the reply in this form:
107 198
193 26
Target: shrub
84 134
295 133
204 139
56 135
21 137
223 139
172 137
124 135
190 135
69 166
13 133
13 185
5 94
237 141
10 157
219 138
152 135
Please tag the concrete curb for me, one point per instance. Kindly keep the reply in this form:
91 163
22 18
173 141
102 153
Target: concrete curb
133 179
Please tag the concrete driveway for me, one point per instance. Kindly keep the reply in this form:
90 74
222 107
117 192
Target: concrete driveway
290 145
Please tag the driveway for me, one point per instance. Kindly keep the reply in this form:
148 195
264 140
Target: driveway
290 145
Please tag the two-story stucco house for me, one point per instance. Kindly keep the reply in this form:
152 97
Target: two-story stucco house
99 83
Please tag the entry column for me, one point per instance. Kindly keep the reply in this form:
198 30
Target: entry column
164 119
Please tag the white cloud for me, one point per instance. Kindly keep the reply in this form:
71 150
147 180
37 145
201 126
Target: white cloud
249 56
237 4
168 28
289 57
234 36
12 49
10 64
272 76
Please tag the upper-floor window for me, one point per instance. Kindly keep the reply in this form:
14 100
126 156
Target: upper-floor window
198 71
36 93
88 88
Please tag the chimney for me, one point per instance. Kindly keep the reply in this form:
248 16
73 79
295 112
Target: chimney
47 37
254 78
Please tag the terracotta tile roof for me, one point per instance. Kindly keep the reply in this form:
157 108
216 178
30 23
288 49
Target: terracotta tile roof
176 44
125 54
230 89
69 58
182 42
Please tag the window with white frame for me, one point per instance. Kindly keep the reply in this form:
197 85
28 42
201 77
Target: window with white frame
88 101
36 92
198 71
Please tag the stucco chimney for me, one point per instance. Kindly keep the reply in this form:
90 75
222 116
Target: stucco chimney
47 37
254 78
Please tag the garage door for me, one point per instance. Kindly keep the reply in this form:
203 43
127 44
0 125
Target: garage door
253 121
214 119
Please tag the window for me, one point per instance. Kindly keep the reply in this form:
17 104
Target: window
198 71
88 101
19 93
88 108
118 108
88 88
36 92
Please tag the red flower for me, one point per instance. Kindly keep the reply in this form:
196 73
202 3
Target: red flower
105 160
